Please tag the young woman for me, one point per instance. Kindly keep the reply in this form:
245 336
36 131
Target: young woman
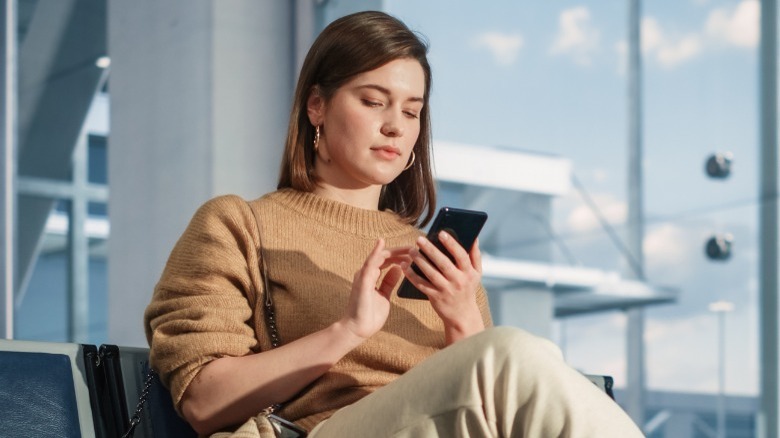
289 299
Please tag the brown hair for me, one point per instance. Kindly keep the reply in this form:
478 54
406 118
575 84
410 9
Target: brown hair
349 46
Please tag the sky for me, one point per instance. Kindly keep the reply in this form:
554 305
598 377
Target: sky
551 77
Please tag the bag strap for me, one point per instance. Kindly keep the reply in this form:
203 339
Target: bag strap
270 314
135 420
270 321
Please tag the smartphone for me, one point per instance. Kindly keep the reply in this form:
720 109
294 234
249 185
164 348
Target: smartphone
285 429
463 225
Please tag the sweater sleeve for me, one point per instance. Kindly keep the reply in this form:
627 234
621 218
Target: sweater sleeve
484 307
201 308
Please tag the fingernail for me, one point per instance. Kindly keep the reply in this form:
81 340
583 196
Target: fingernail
443 235
421 240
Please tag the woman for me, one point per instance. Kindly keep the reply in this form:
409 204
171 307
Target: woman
288 299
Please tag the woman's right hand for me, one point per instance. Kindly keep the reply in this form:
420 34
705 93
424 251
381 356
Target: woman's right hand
369 304
220 396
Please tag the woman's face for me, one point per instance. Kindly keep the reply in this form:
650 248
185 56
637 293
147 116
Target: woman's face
369 126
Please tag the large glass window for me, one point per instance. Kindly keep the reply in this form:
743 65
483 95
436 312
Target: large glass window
552 77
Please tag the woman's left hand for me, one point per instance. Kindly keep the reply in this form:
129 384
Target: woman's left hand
451 287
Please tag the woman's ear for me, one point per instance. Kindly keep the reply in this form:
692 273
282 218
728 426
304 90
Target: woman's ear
315 106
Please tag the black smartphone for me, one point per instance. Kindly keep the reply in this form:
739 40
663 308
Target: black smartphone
285 429
463 225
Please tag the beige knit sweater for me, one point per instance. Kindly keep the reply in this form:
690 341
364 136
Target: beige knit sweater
209 302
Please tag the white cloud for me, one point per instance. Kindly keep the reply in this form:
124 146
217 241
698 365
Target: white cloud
576 37
583 219
691 341
666 244
736 27
679 51
668 50
652 35
504 47
681 353
672 252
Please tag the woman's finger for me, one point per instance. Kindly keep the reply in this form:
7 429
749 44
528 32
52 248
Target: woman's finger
429 270
476 256
454 247
417 280
389 281
435 257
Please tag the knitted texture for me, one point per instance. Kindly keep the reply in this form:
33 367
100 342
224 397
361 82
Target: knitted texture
209 301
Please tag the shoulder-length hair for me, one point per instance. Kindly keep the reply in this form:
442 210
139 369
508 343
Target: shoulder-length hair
349 46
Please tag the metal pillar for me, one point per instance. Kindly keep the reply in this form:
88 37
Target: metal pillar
8 168
635 363
78 241
721 375
78 248
767 269
721 308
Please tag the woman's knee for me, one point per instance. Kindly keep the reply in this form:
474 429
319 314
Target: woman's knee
516 345
512 340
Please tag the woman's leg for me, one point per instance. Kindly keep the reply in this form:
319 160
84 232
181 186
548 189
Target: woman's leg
502 382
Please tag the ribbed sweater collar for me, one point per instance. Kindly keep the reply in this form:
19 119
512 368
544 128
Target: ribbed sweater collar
341 216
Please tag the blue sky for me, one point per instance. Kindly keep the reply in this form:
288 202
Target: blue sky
550 77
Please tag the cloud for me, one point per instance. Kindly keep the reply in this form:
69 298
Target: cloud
504 47
583 219
690 340
668 50
652 35
681 353
680 51
724 27
576 37
666 245
693 341
735 27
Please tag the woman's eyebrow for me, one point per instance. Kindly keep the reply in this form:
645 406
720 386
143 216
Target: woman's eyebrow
386 91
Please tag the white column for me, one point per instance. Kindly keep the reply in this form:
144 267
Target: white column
8 168
635 360
769 337
200 98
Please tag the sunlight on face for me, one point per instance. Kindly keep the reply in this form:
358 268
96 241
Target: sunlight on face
370 126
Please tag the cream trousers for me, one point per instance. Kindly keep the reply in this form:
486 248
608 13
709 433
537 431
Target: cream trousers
503 382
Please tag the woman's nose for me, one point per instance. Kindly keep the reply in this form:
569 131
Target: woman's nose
392 126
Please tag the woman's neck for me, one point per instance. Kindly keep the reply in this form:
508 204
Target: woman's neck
366 198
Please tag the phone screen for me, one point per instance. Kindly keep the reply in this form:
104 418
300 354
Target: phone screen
463 225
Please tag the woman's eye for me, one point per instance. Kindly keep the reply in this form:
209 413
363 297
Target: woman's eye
371 103
411 114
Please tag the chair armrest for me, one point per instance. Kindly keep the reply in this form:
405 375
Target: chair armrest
604 383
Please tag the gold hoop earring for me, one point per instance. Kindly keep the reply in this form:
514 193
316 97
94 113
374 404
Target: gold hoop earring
410 162
317 138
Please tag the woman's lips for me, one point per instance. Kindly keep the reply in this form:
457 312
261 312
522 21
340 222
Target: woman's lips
387 152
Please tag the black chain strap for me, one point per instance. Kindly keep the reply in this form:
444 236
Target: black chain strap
136 418
270 313
270 321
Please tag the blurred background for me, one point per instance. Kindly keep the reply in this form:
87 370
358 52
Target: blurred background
624 150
